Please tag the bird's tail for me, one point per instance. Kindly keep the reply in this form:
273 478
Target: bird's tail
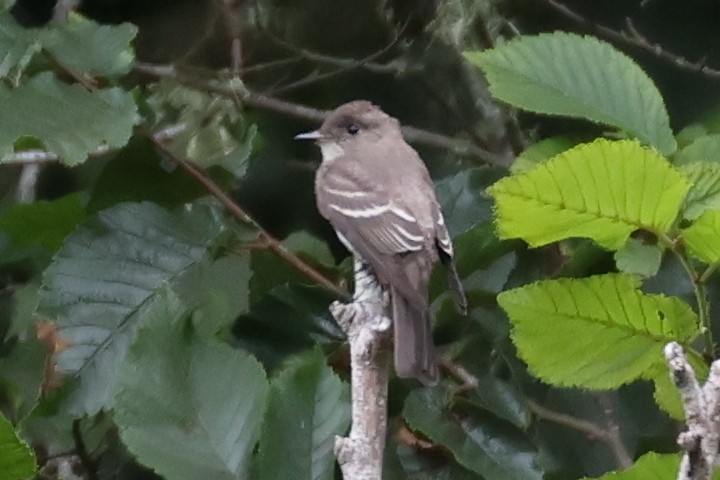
414 349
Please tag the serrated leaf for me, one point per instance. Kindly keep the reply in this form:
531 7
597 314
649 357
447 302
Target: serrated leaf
638 258
88 48
188 406
17 47
475 445
704 194
67 119
597 332
463 198
102 283
17 461
603 190
705 148
308 406
540 152
577 76
701 238
666 393
651 466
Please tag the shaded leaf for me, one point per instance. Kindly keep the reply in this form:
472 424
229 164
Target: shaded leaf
17 47
22 373
188 406
568 74
463 198
602 190
636 257
17 461
310 246
102 283
67 119
88 48
541 151
704 193
651 466
308 406
705 148
596 332
475 444
701 237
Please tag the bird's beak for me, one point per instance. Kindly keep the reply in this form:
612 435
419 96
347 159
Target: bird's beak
314 135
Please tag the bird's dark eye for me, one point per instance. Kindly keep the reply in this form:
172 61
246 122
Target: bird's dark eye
352 129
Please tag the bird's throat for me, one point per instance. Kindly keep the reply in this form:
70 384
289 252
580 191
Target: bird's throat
330 151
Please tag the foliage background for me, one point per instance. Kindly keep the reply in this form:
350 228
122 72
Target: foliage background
192 341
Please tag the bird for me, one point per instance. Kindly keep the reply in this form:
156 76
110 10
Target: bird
376 192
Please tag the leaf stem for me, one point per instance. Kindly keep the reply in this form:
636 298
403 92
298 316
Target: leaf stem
698 282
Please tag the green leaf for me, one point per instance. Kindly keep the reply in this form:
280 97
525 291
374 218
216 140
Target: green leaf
567 74
638 258
540 152
17 47
308 406
88 48
596 332
701 237
651 466
308 245
702 149
42 224
476 445
704 194
666 394
102 283
67 119
188 406
463 198
603 190
22 373
17 461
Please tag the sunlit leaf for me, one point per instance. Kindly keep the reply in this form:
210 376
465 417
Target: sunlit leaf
541 151
307 407
603 190
651 466
596 332
17 461
568 74
68 119
701 238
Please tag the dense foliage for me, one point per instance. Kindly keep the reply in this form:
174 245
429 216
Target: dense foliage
164 277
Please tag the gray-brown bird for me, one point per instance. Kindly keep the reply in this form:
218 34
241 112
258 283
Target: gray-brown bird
376 192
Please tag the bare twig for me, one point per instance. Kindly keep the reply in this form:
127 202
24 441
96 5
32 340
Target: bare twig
419 136
467 380
368 328
272 243
592 430
230 14
702 415
634 38
63 8
612 428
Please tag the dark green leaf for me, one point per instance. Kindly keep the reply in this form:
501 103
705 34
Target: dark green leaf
307 407
188 406
68 119
475 444
17 47
103 281
17 461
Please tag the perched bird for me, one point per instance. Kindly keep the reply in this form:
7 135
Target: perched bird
376 192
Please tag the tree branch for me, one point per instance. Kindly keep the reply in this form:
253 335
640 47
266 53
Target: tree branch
367 327
702 415
459 147
633 38
272 243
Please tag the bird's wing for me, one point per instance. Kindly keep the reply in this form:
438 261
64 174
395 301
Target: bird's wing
381 231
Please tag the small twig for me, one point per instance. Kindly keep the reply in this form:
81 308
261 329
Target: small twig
467 380
272 243
419 136
26 189
612 428
702 410
230 14
368 329
592 430
635 39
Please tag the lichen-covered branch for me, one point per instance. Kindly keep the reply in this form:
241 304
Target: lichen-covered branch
368 328
702 415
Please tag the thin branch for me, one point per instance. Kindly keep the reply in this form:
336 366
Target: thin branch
592 430
272 243
462 148
634 38
81 449
612 428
